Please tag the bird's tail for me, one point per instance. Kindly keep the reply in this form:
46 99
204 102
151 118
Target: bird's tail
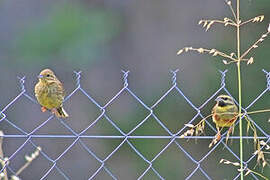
60 112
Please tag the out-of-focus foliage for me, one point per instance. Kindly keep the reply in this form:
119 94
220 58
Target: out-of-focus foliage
70 32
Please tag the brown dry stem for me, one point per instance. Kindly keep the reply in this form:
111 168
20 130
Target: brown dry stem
29 160
247 170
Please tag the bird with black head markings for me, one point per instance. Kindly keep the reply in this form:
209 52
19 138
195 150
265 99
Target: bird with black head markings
224 113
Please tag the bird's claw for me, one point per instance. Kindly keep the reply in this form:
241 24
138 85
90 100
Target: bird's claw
43 109
53 110
218 136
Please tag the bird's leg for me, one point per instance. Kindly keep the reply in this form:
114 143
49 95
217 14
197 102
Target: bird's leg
54 110
218 135
230 131
43 109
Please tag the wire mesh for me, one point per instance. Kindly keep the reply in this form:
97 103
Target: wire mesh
127 137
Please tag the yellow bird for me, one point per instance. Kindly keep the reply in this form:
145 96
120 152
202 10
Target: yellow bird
224 113
50 94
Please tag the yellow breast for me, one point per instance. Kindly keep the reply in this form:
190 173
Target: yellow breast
45 96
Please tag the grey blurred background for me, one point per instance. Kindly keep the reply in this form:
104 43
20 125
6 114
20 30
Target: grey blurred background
103 37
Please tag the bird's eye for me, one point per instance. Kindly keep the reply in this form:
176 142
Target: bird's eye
47 75
225 98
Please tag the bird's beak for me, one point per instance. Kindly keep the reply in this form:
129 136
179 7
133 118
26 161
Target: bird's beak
40 76
217 99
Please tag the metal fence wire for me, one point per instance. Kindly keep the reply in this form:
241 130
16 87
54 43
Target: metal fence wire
127 137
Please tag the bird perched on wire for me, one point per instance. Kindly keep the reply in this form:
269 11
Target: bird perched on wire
50 93
224 114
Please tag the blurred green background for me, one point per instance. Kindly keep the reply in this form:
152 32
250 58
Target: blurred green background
102 37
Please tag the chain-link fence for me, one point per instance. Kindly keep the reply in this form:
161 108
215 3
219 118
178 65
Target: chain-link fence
77 138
